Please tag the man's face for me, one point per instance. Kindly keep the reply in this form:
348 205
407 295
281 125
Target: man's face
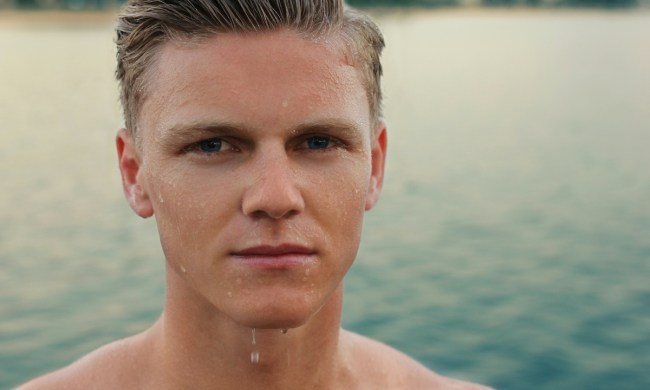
257 157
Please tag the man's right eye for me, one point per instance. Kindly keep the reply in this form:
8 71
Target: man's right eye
213 145
209 147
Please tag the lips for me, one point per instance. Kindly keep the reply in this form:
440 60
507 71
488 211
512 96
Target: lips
275 256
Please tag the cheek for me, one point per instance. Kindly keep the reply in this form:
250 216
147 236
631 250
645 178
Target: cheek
338 199
175 215
186 208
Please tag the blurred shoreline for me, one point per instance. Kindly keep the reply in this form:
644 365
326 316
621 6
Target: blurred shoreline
46 18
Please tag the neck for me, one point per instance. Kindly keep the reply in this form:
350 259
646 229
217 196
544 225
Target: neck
199 347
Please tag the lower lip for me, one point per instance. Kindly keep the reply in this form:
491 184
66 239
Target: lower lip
271 262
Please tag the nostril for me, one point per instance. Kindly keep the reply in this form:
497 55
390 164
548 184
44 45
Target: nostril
267 199
261 214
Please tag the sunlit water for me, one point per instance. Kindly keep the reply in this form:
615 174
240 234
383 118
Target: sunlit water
511 246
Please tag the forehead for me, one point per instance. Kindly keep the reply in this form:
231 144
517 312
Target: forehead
262 79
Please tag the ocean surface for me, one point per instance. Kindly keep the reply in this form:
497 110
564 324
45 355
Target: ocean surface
511 245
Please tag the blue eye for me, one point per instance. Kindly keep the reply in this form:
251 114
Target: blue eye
210 145
318 143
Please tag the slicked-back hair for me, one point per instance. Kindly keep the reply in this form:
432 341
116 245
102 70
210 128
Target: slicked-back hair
145 25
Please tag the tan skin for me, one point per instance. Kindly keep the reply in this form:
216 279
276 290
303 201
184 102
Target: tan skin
258 156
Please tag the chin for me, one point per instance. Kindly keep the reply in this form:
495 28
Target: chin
276 323
274 317
276 313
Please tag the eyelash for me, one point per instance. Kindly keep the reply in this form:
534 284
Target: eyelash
332 143
200 145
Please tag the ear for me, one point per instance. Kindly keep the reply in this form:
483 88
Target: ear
130 168
378 161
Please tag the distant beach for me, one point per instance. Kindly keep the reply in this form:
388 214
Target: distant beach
32 18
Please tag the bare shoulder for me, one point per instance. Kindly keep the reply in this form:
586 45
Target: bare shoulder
384 367
114 366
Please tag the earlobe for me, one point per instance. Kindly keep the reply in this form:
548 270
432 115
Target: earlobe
130 168
378 161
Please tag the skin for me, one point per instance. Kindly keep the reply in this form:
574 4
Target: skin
258 157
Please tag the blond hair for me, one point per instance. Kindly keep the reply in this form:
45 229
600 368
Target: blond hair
145 25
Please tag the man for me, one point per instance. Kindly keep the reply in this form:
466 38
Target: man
254 136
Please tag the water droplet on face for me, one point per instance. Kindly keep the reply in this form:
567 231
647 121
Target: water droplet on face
183 270
285 104
229 294
254 342
284 330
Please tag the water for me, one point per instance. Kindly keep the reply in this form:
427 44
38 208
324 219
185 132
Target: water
511 245
255 355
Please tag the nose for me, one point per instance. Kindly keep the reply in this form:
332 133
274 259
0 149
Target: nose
273 192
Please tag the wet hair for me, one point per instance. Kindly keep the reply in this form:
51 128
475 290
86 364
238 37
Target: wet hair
144 26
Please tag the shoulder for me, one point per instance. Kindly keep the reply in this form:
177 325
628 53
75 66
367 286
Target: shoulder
385 367
114 365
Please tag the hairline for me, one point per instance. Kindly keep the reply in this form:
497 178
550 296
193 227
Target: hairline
176 37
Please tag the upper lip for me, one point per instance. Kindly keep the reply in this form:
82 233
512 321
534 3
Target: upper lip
274 250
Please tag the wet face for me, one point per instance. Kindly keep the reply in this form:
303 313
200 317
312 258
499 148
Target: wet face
258 158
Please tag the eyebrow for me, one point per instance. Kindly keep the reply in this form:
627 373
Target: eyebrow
329 125
181 132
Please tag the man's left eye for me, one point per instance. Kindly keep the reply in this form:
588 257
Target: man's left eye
318 143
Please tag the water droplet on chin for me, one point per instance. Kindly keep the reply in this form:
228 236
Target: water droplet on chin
255 357
284 330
